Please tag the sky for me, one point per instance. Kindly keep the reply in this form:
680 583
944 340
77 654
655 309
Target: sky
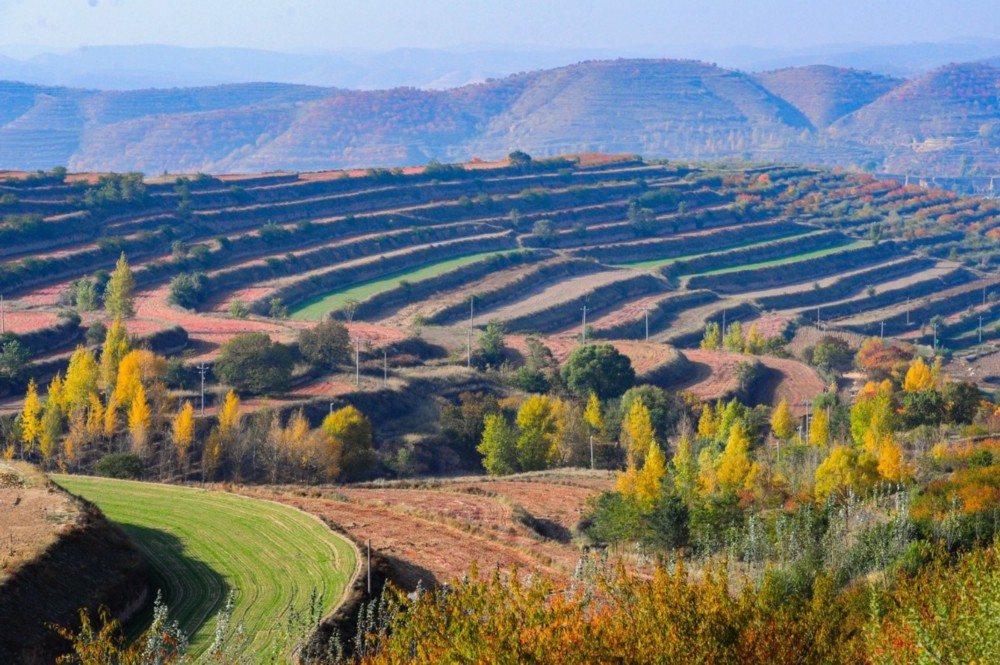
379 25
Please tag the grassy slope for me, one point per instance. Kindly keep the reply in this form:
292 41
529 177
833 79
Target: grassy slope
657 263
200 544
317 308
790 259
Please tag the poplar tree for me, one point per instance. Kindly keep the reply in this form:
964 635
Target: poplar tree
139 418
183 431
81 379
498 446
114 349
119 298
31 425
782 422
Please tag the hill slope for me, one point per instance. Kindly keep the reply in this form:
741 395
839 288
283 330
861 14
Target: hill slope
940 124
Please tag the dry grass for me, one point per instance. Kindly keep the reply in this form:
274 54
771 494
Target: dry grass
33 514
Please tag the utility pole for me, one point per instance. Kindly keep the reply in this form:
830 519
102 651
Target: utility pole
584 325
469 344
907 310
723 324
202 368
646 310
385 367
472 310
817 316
980 328
369 566
935 335
881 334
331 407
357 361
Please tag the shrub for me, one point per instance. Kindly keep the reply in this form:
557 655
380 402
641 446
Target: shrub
189 289
327 345
120 465
253 363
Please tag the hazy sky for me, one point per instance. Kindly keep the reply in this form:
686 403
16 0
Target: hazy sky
316 25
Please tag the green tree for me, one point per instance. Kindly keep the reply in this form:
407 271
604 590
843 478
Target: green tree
491 344
119 298
498 446
712 338
188 289
600 369
733 339
252 363
327 345
14 360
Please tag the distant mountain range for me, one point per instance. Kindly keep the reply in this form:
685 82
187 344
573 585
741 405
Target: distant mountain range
945 122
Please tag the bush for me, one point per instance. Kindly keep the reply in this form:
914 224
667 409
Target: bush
188 290
120 465
254 364
600 369
327 345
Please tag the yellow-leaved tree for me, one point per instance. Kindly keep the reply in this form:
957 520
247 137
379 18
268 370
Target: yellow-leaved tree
50 437
114 349
734 463
592 414
229 414
81 379
183 432
819 428
892 463
139 367
708 424
654 470
31 424
538 421
918 377
139 419
845 471
351 431
95 416
782 422
637 433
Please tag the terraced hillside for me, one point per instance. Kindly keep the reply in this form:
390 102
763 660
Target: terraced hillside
650 249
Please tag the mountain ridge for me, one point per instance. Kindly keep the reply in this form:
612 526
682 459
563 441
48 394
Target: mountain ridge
680 109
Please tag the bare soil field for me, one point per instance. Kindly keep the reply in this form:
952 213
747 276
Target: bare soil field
556 293
32 515
434 530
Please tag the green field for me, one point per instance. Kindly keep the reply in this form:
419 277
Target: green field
657 263
789 259
317 308
202 544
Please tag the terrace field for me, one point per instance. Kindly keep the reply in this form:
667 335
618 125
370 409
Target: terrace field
202 545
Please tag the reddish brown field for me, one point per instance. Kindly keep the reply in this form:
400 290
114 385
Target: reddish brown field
434 531
714 376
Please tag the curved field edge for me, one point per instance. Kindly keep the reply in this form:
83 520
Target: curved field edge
317 307
201 544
